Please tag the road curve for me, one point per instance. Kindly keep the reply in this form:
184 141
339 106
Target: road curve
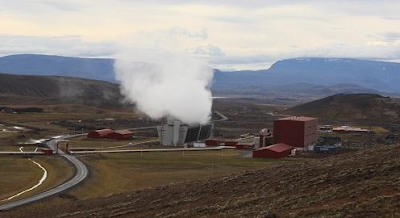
81 172
222 117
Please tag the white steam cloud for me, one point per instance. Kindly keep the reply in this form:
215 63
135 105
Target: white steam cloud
167 85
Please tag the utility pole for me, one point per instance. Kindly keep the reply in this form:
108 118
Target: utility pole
369 136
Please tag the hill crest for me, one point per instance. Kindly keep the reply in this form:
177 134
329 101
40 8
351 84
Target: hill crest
351 106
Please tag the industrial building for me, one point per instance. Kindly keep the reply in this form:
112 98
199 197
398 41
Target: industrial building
121 135
245 145
328 144
265 138
101 133
273 151
348 129
300 132
176 133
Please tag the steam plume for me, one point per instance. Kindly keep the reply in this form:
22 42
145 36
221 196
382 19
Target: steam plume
161 85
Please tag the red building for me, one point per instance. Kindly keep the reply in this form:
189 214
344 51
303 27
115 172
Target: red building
47 150
245 145
231 143
121 135
213 142
101 133
296 131
273 151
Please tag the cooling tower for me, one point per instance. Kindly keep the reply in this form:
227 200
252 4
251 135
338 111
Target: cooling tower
176 133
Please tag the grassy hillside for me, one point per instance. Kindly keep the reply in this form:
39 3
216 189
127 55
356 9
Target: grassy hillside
351 106
15 89
347 185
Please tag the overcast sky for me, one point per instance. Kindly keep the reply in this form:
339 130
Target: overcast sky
235 34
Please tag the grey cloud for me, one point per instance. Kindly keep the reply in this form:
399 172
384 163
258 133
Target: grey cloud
245 3
339 50
38 6
391 17
234 19
391 37
61 5
209 51
179 31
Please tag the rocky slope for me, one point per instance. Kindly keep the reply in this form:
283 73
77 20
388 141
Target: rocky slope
359 184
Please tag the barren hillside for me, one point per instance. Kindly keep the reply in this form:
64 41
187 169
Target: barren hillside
360 184
352 106
15 89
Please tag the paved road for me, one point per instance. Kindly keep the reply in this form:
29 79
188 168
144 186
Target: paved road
21 153
223 117
81 170
81 173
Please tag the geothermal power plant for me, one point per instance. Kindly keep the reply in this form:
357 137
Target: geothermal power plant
175 133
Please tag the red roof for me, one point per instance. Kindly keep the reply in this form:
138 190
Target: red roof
100 133
280 147
294 118
104 131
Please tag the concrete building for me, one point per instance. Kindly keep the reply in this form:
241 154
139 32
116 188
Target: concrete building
172 133
300 132
265 138
176 133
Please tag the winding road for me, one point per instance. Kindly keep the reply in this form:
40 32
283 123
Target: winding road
81 172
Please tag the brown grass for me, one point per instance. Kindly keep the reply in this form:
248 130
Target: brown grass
114 173
84 142
18 174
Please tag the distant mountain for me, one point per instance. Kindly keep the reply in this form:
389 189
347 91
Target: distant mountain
327 72
15 89
352 106
295 90
33 64
378 75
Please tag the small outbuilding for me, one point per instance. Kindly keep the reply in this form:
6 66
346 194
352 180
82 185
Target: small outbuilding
230 143
101 133
213 142
121 135
47 150
273 151
245 145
